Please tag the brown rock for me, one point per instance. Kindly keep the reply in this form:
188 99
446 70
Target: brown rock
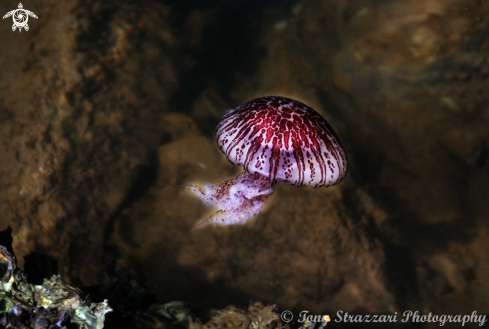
77 123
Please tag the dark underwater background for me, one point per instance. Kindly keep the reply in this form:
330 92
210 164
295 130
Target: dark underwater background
108 107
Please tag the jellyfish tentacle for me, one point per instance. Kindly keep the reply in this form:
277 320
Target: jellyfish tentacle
238 199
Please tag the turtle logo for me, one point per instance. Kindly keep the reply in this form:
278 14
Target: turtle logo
20 17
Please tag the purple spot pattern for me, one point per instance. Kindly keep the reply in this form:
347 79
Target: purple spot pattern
283 140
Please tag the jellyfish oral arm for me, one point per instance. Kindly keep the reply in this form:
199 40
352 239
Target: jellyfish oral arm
238 199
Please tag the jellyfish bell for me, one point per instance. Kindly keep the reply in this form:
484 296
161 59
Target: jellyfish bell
282 139
275 139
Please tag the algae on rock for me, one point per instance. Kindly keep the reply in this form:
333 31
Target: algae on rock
51 303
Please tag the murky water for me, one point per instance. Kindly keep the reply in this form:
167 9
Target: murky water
107 109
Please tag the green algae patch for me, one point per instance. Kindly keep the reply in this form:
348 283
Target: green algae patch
49 305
